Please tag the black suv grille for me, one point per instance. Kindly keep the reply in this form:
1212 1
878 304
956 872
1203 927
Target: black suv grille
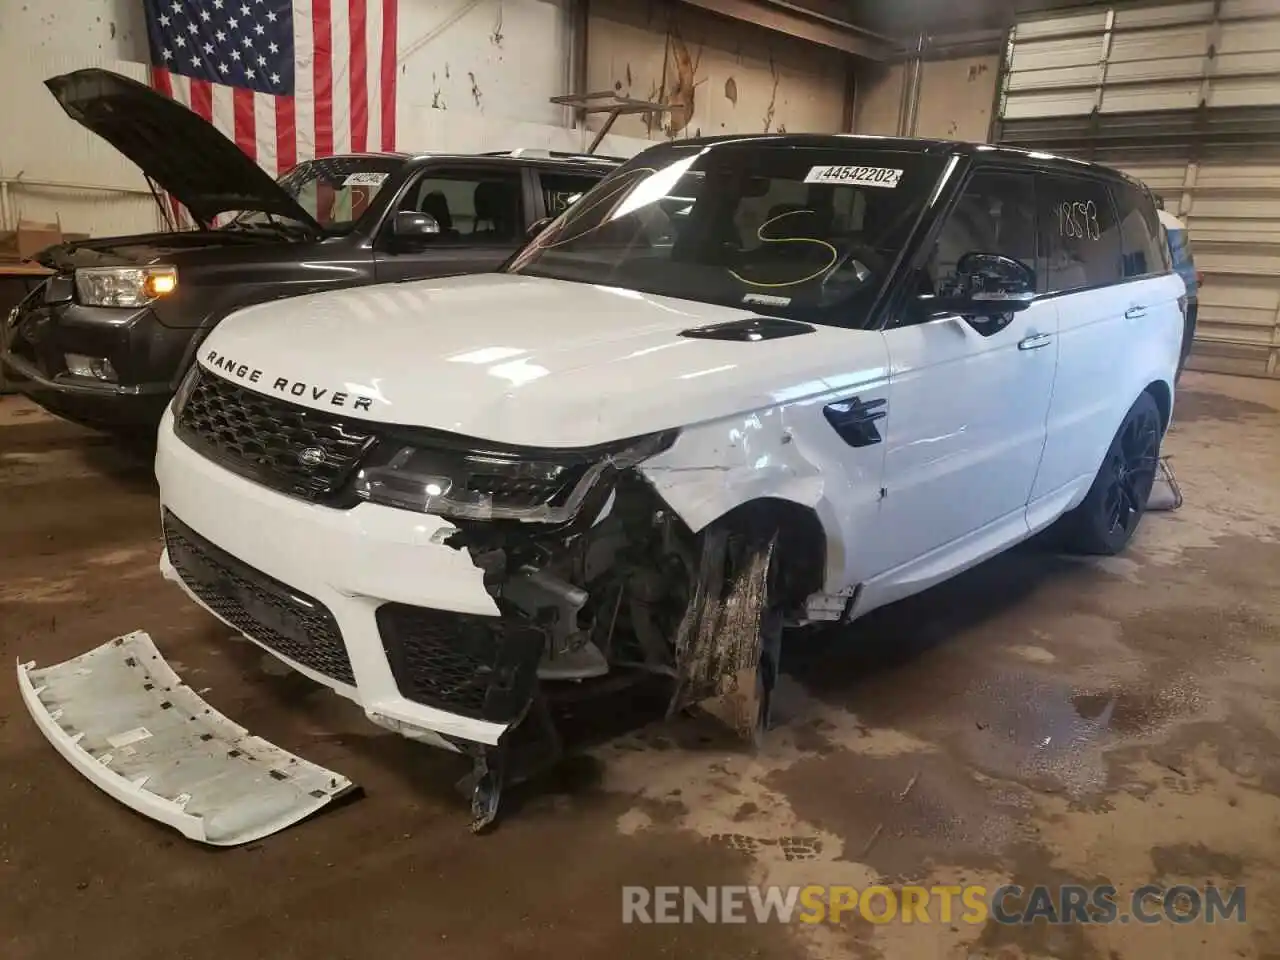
480 667
264 439
291 623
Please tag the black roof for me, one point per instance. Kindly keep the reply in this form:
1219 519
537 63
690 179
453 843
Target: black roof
830 141
365 155
852 141
554 155
562 160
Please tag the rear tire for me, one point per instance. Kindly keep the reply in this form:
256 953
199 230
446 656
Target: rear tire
1109 515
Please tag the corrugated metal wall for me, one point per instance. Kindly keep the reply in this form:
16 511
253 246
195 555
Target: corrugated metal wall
1187 98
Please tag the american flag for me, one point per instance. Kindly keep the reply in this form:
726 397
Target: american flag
287 81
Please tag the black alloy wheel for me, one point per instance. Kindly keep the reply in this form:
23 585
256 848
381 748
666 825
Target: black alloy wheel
1107 519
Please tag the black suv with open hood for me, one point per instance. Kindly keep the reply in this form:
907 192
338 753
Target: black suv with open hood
106 339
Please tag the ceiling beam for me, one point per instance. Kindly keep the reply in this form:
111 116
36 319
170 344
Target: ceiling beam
790 18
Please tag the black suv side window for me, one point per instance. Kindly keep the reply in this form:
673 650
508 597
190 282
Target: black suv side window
996 213
1079 233
1144 252
561 189
472 207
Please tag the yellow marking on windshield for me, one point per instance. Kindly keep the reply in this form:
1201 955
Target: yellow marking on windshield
835 254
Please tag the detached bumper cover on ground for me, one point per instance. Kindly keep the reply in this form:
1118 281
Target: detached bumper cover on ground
123 718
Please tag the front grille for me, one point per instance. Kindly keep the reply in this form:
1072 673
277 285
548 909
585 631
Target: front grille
263 438
28 338
480 667
277 616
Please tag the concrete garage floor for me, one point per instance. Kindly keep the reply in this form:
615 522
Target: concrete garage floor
1040 720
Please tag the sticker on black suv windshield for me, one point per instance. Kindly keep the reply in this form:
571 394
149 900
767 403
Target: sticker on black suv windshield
855 176
364 179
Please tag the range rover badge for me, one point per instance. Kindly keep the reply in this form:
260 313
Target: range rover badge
311 456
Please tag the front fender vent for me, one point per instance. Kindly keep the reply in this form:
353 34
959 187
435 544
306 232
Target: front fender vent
855 419
750 330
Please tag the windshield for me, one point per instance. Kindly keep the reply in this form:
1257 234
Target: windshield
335 190
807 233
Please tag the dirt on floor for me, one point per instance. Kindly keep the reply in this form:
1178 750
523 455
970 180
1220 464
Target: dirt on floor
1041 720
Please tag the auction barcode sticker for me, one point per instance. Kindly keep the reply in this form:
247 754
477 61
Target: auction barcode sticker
364 178
855 176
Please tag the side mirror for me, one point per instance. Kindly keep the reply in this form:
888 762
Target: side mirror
413 225
537 227
986 286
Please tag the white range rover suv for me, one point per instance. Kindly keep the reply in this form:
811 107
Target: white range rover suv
744 384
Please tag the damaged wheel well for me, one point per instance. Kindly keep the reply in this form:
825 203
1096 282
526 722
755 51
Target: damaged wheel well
802 542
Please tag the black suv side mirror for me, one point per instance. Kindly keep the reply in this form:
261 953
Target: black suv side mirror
986 286
414 226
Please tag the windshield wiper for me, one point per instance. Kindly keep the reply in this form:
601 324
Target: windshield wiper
272 226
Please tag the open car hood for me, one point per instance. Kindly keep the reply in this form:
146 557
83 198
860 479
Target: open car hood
187 157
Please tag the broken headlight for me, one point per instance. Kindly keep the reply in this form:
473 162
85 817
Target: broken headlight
541 486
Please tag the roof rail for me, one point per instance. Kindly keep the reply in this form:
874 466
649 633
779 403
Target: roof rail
541 153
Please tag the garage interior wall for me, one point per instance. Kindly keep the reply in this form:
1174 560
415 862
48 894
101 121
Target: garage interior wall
718 76
1187 98
954 101
479 75
51 169
474 75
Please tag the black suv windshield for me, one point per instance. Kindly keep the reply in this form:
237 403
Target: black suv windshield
808 232
334 190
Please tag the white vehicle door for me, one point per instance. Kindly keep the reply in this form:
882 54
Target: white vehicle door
1112 297
967 406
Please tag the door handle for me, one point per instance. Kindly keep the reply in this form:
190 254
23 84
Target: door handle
1035 341
1133 313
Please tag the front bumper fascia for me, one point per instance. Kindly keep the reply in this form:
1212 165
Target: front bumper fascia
353 561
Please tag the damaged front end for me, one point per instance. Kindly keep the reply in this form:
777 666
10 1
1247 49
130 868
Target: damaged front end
596 580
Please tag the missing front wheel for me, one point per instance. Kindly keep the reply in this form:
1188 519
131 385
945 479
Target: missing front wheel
729 645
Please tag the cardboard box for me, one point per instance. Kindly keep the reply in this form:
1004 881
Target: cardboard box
31 237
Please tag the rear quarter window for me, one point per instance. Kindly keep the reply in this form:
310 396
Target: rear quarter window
1143 248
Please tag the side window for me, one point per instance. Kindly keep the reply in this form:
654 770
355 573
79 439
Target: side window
996 213
1143 248
472 207
1079 234
559 190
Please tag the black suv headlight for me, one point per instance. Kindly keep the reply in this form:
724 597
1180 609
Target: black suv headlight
125 286
536 485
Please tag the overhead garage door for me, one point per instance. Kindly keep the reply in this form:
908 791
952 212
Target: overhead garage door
1187 98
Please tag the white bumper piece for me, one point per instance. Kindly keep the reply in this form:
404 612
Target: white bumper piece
123 718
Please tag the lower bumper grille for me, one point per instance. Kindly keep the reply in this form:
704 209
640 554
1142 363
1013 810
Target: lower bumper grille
484 668
289 622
